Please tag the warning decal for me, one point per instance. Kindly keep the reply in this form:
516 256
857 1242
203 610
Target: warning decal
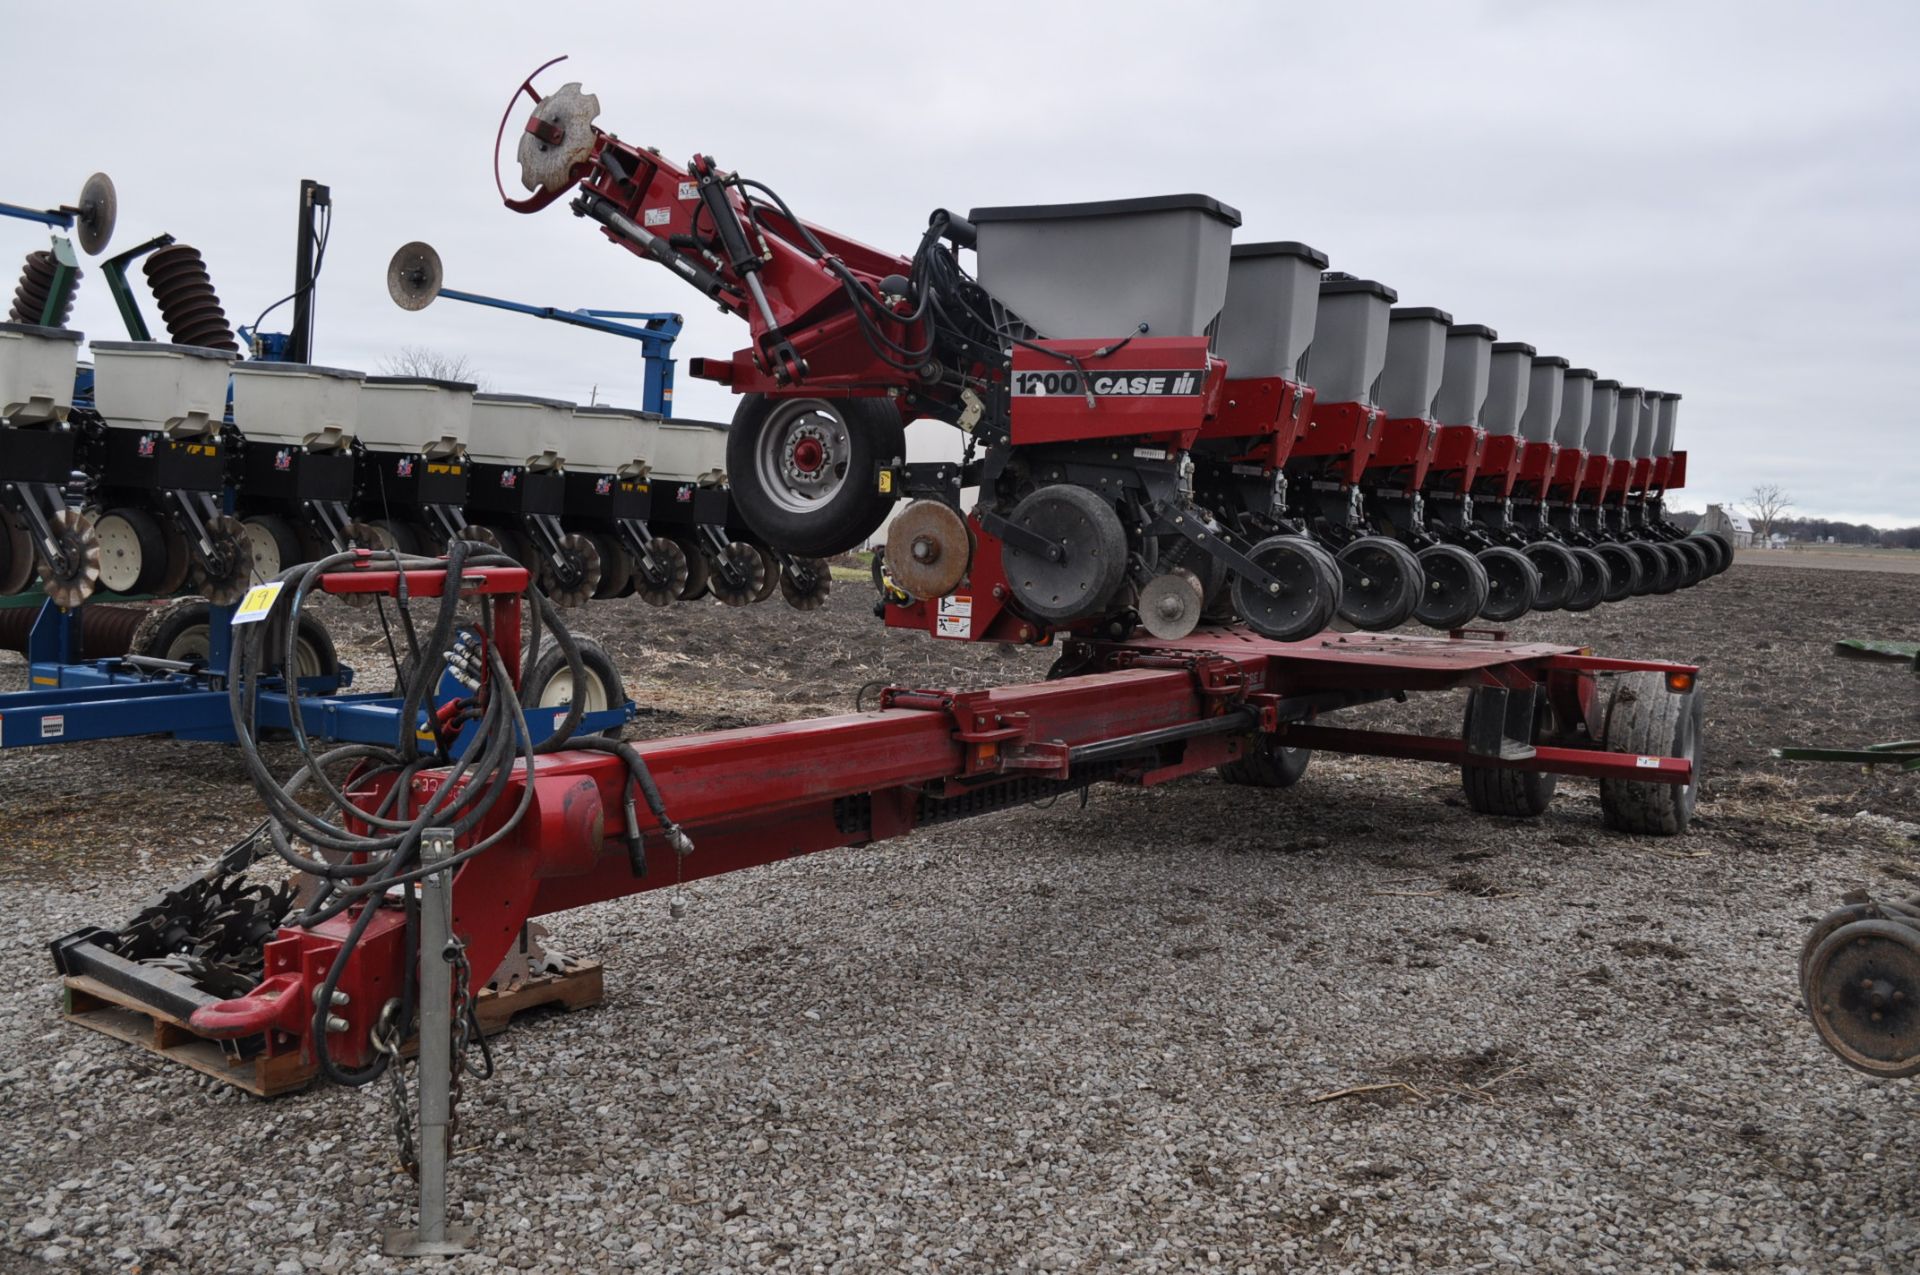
955 617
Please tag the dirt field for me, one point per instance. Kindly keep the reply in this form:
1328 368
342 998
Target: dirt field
1072 1039
1834 558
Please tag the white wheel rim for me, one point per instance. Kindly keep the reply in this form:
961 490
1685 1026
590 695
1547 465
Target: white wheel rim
192 643
266 551
559 692
121 558
306 659
803 455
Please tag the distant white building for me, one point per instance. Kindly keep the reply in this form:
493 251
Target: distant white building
1735 527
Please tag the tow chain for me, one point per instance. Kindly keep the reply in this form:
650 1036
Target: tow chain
385 1039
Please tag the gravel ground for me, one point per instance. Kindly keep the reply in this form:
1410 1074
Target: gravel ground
1111 1038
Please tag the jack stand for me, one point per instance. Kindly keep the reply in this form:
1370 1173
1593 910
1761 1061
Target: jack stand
434 1238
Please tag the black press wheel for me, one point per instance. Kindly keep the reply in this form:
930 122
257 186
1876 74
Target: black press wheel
1694 562
133 550
1508 794
1512 583
1381 583
1676 575
1655 567
1456 587
1623 571
1594 580
1647 719
1559 574
805 471
1300 602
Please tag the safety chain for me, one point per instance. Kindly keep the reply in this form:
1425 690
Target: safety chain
386 1040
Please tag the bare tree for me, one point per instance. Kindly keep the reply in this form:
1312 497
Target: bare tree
1767 504
420 360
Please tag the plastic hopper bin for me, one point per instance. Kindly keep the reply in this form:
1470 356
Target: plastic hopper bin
1273 294
689 474
176 390
416 415
612 440
298 405
36 372
1112 268
1416 362
1350 339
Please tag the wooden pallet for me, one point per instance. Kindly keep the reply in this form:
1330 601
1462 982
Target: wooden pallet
93 1004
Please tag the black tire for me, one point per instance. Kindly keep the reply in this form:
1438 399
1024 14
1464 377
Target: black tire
1595 580
1695 562
616 566
1508 794
783 503
1512 582
1624 572
1381 583
699 570
1654 568
545 685
176 631
1676 574
1309 590
1456 587
1647 719
1559 574
1266 765
1711 550
1726 549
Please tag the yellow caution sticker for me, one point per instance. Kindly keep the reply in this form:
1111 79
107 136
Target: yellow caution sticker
886 482
257 603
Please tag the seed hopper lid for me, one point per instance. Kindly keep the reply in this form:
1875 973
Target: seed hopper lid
1108 208
1337 283
1427 312
1606 385
1473 329
608 409
681 420
162 347
298 369
1550 360
525 400
1514 347
1282 248
421 380
1585 373
45 334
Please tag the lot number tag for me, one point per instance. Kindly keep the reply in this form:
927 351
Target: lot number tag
258 602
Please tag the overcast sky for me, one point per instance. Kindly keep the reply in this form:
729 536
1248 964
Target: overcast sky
1717 199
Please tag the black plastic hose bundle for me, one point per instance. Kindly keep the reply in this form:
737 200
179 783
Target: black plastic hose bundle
388 851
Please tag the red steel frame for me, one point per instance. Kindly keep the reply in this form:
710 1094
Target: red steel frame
1144 712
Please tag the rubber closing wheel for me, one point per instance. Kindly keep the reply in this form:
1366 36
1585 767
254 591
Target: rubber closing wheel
695 585
1594 580
805 471
1512 582
616 565
1863 985
1676 572
1082 581
739 575
1559 574
1381 583
1299 603
1456 587
1503 792
226 571
771 562
1647 719
73 573
663 583
133 550
805 583
1623 571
